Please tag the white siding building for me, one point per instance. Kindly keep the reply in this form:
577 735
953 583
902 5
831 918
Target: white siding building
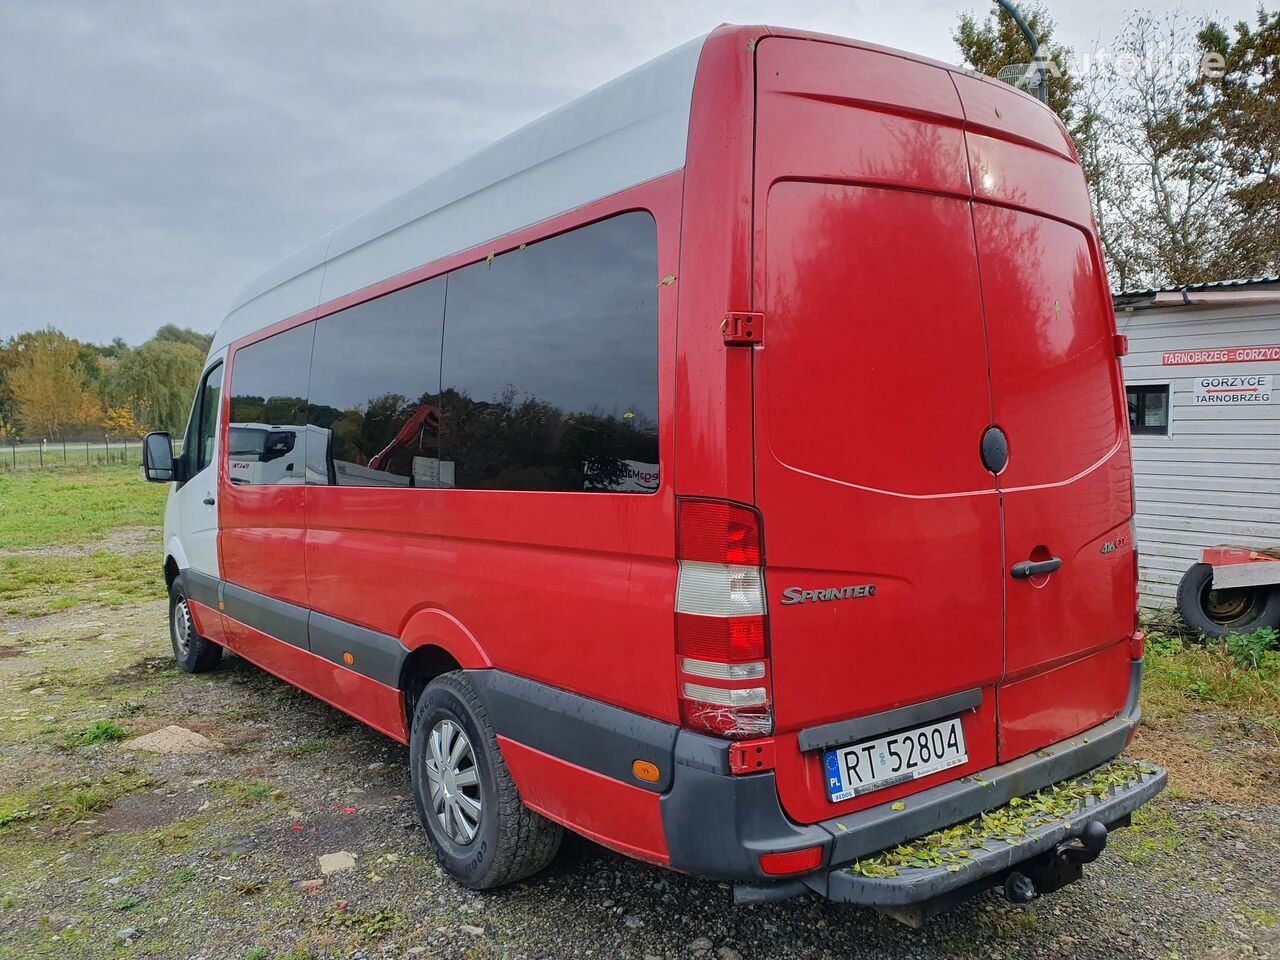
1206 425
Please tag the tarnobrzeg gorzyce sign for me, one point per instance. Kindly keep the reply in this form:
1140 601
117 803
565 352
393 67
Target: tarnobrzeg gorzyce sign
1254 388
1182 358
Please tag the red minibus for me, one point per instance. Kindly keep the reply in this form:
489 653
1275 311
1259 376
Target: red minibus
731 467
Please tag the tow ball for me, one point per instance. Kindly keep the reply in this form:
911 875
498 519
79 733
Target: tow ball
1060 866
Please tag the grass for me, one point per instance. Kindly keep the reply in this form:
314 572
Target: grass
32 586
75 505
1154 834
100 731
1211 712
1186 676
59 802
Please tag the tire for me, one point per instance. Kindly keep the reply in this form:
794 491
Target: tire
194 653
507 840
1220 612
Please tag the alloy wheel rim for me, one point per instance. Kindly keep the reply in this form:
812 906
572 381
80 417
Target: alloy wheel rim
453 781
182 625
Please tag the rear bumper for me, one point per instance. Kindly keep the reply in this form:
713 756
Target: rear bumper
996 856
718 825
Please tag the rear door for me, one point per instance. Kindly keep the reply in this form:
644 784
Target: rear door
1058 396
871 399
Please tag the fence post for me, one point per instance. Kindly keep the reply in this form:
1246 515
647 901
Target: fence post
86 452
107 455
13 445
41 448
64 453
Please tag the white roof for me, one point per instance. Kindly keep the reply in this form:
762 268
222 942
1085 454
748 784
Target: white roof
630 130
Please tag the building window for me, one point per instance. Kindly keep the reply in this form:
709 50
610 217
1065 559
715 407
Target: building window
1149 409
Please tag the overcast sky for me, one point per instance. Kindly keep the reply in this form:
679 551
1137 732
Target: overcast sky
157 154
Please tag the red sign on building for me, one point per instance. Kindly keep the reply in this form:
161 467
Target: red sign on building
1178 358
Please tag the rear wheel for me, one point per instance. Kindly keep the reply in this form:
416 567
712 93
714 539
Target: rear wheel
482 833
194 653
1232 610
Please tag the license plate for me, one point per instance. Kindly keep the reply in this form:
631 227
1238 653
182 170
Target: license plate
907 755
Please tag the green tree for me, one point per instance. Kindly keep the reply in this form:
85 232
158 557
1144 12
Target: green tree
171 333
1236 101
49 386
156 381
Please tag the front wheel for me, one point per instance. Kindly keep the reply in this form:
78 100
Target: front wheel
1232 610
482 833
194 653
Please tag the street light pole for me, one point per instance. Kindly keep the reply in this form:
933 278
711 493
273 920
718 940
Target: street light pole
1042 87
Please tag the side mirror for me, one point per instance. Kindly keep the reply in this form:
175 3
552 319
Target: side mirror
157 458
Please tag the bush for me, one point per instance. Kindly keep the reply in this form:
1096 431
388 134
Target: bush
1253 650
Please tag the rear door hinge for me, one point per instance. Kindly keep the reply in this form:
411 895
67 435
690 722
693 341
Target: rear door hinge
742 329
1121 343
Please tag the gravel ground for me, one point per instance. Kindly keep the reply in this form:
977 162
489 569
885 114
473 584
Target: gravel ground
106 851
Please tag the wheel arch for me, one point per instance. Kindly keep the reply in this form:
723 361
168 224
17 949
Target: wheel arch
175 560
435 642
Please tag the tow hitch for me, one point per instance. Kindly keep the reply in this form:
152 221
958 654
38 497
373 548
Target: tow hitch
1062 865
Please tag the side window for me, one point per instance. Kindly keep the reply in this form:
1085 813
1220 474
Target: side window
375 391
206 430
550 368
1148 409
267 437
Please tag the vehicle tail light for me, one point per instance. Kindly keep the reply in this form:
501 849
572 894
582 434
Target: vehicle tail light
722 638
1137 645
793 861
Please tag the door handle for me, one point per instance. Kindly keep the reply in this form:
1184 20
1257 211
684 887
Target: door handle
208 501
1028 569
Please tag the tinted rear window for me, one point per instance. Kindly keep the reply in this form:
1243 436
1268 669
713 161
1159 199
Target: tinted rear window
550 372
375 389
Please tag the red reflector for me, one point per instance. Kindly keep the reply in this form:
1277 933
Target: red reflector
1137 645
793 861
715 531
727 639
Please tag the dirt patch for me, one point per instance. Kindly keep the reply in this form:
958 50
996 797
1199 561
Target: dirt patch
145 669
147 811
19 665
171 739
127 541
1231 769
15 651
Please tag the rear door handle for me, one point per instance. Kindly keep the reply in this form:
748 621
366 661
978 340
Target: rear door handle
1027 569
208 501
